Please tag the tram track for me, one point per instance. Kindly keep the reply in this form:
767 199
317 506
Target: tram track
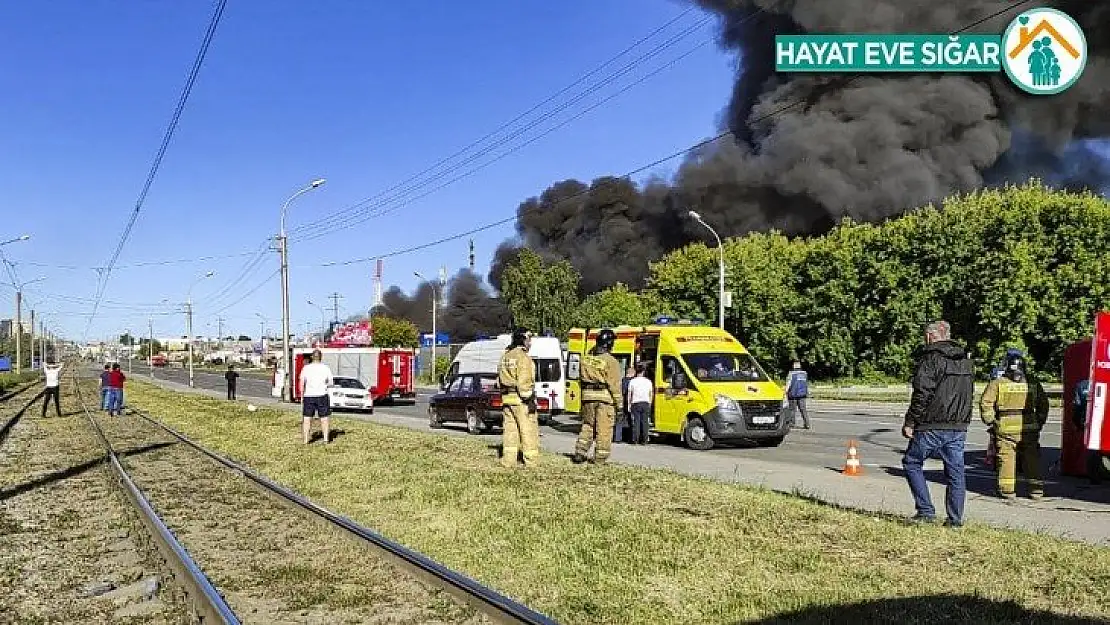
249 550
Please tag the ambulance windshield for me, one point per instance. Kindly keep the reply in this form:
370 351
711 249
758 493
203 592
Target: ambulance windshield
724 367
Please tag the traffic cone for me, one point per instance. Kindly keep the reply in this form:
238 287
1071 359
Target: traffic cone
852 465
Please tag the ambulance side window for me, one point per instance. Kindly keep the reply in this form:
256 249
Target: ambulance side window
573 362
671 366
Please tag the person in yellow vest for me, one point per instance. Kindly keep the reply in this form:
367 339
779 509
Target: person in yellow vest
1015 407
516 375
600 375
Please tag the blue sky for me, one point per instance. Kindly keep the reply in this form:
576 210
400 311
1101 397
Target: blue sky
362 93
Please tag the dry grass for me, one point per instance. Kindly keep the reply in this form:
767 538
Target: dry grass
630 545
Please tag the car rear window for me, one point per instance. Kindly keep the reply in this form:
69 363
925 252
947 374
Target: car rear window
488 385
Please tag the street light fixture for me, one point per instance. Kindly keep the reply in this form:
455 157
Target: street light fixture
435 304
323 318
283 249
189 321
721 248
16 240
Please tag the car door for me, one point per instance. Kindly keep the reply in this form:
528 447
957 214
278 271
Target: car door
456 397
671 406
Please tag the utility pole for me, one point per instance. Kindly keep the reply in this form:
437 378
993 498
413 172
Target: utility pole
150 345
189 336
19 331
220 332
335 297
472 254
33 340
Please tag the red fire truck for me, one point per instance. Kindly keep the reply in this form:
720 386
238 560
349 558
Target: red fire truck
386 372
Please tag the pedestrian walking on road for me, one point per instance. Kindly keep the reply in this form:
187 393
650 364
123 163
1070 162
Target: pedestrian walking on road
104 388
1015 408
232 377
516 378
316 378
797 389
600 375
937 420
115 390
53 374
639 396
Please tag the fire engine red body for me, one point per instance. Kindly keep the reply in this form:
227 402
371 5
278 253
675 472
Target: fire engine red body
387 372
1087 360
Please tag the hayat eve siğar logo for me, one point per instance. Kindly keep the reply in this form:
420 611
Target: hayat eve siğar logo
1044 51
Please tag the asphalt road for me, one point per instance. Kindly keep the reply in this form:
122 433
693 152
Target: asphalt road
876 427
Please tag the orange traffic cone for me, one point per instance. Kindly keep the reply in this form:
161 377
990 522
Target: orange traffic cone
852 465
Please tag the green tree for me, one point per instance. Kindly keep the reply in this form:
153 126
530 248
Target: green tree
393 332
145 348
540 294
1021 266
618 305
126 339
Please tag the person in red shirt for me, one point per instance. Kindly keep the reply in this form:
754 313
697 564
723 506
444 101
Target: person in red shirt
115 390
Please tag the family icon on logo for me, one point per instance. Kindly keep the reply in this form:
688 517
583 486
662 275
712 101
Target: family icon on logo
1048 57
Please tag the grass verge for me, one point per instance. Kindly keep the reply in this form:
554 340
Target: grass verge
9 380
630 545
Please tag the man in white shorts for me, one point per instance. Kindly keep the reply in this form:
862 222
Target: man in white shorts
315 379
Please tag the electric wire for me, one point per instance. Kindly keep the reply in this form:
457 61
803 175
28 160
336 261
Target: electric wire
840 82
157 164
328 219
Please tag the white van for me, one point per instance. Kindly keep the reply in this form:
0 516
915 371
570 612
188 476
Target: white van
484 356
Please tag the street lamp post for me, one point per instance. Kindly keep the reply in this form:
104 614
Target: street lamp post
435 304
262 335
721 274
283 249
323 319
189 322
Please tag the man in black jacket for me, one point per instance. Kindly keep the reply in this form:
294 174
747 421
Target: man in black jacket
937 419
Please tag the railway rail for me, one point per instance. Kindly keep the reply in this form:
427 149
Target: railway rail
14 419
210 605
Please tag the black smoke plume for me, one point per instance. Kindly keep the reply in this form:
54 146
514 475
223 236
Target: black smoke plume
467 310
809 150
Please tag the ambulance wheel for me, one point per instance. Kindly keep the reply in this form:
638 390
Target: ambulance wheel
433 418
696 434
474 425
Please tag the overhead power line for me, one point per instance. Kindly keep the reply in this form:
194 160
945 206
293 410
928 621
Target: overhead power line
157 164
328 222
837 83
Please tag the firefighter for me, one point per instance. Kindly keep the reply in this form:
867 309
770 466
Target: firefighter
516 375
992 444
1015 408
600 375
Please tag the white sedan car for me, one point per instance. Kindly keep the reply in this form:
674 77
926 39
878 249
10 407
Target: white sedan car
350 393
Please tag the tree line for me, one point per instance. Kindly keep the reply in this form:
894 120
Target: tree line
1021 266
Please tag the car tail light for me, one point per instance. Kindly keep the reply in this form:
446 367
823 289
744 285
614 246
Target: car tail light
542 403
495 400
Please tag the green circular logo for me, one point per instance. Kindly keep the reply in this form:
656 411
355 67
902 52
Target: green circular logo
1044 51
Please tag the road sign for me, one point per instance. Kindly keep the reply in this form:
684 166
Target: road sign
441 339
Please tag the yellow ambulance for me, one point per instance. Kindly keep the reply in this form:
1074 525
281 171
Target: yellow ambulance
708 388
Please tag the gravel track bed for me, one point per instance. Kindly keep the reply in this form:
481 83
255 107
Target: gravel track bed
271 563
71 548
